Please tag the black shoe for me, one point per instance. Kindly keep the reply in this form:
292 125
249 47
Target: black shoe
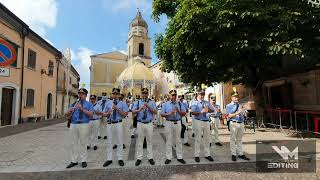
84 164
192 134
209 158
71 165
121 163
107 163
234 158
105 137
88 147
210 144
124 146
186 144
138 162
99 137
244 157
219 144
151 161
115 147
95 147
162 126
144 146
197 159
132 136
158 126
182 161
167 161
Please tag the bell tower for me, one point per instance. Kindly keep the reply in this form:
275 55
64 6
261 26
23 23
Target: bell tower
139 41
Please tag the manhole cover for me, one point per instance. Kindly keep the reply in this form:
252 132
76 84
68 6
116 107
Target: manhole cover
13 156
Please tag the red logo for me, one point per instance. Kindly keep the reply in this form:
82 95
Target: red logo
8 54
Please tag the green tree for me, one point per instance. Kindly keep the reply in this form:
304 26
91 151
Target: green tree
243 41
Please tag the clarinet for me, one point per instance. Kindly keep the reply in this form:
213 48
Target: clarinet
145 111
69 119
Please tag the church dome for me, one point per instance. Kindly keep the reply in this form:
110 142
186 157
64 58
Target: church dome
136 72
139 21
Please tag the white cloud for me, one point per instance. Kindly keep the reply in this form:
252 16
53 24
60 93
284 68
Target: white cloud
39 15
120 50
120 5
81 61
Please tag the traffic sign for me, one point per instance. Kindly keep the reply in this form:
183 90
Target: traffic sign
8 53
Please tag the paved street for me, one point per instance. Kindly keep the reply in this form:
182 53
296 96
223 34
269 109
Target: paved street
43 153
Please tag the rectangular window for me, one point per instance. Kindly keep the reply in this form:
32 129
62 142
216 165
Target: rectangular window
50 68
32 56
30 98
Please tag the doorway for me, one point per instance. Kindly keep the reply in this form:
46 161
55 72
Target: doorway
6 106
49 106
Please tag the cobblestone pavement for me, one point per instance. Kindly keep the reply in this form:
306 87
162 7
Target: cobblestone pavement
44 153
16 129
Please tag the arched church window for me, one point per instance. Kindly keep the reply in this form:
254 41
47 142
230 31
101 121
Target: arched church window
141 49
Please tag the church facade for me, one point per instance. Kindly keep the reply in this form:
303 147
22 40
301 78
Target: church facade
106 68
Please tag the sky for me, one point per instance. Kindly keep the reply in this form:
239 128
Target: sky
85 26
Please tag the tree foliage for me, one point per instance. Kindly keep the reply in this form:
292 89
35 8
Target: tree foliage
240 40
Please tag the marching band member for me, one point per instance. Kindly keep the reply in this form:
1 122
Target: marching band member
145 110
200 110
94 123
80 113
215 120
115 112
235 115
173 112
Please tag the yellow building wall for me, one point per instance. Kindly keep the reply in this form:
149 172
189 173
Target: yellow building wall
41 83
99 72
115 71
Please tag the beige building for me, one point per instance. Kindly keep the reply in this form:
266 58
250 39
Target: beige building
28 86
67 84
106 68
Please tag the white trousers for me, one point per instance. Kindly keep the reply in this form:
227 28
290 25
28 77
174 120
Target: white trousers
236 133
115 131
215 123
103 127
144 130
173 131
184 122
93 132
126 128
193 127
79 139
202 128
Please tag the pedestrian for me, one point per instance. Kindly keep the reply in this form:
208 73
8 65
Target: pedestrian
80 113
200 109
145 109
103 120
94 123
184 121
236 119
115 112
173 111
